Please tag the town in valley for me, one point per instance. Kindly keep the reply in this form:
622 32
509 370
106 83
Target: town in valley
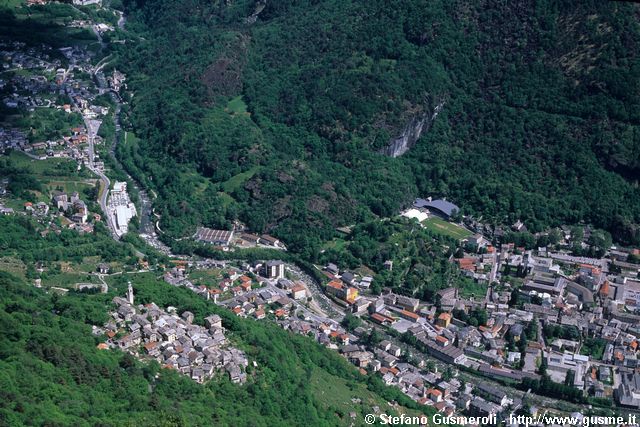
530 323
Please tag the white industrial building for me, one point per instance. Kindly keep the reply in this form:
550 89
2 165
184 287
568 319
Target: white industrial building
121 208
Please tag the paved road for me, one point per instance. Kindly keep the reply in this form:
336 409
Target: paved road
33 156
102 85
299 307
92 131
327 306
492 276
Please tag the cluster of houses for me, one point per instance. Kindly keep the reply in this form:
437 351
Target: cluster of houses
116 80
590 306
244 295
345 287
492 347
13 138
71 205
173 340
50 83
68 207
595 299
280 299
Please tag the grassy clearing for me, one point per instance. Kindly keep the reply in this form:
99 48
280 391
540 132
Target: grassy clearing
67 279
470 288
54 174
70 186
11 3
345 397
236 181
226 199
237 106
441 226
130 138
51 167
13 266
49 123
205 277
67 274
337 244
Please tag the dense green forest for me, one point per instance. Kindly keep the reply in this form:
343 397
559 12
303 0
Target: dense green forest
280 122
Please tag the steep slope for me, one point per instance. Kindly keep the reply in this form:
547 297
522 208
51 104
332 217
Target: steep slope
52 374
534 118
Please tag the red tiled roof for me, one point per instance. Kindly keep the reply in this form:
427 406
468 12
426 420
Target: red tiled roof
380 318
604 289
150 345
336 284
444 316
410 314
442 339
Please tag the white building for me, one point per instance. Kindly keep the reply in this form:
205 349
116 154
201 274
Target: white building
121 208
631 293
124 213
415 213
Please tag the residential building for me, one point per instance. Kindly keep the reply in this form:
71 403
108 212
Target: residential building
274 269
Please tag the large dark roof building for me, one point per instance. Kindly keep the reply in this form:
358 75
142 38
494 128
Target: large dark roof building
439 206
215 237
628 392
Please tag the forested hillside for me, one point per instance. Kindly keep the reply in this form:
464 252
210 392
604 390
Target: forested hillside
52 374
281 122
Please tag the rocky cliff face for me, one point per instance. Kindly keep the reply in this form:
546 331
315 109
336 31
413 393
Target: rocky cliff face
412 131
260 5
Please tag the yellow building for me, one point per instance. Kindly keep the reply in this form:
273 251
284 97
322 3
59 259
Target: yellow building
444 320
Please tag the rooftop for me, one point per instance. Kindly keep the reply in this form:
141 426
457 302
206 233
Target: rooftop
442 205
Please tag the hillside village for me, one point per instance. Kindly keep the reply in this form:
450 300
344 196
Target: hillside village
56 87
547 318
559 319
174 341
56 100
64 210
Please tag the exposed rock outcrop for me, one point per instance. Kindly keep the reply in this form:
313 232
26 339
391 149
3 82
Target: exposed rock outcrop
412 131
260 5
